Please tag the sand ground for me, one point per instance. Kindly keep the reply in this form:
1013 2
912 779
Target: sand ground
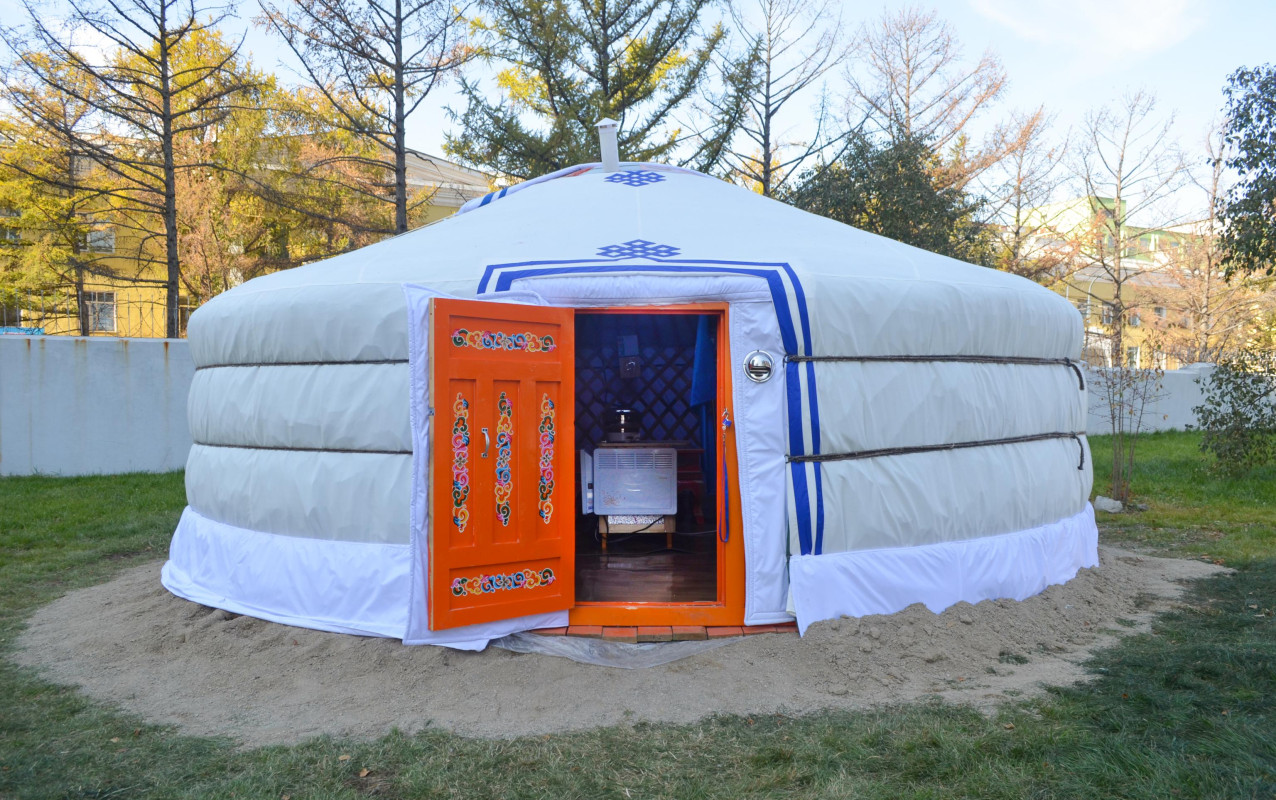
131 643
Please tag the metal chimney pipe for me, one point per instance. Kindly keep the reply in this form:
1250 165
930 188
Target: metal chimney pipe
607 143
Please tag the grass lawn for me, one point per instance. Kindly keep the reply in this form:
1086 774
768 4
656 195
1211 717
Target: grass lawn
1192 511
1188 710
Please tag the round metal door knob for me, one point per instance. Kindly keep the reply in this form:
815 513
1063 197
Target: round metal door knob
758 366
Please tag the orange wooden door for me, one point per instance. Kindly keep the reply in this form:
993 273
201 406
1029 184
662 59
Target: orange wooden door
502 532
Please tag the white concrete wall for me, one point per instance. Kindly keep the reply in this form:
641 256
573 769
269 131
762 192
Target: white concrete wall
76 406
84 406
1171 410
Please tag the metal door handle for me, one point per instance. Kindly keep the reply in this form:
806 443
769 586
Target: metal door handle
487 442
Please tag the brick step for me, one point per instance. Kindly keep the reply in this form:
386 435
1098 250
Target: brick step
665 633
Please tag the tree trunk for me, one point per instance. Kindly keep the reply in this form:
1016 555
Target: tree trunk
83 308
766 129
400 146
1119 392
172 288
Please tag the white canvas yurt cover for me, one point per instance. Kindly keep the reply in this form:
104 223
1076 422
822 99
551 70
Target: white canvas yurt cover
920 440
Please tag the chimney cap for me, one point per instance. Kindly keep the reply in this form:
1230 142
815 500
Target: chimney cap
610 150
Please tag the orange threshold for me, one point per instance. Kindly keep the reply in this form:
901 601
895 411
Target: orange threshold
728 609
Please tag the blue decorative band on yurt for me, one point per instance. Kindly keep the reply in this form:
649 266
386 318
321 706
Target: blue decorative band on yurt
789 300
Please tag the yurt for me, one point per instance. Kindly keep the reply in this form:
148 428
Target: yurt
629 394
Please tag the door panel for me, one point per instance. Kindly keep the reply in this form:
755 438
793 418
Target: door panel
502 397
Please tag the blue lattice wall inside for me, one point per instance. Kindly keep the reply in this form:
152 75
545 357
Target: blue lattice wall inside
666 345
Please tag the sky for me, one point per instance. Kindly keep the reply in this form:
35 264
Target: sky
1072 55
1067 55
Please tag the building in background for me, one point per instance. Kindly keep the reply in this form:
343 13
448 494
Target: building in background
1177 306
453 185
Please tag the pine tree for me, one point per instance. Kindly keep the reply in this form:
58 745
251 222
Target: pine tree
890 189
565 65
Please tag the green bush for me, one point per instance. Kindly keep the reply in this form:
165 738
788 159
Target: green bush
1238 412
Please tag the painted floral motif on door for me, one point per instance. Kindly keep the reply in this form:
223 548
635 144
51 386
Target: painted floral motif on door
486 584
498 340
504 440
547 458
460 461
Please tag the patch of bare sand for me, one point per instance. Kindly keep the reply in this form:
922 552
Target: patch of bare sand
131 643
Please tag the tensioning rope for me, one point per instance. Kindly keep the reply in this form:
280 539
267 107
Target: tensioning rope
905 451
304 363
306 449
1065 362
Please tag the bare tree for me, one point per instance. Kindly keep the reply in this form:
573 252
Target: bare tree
1020 195
1127 166
1124 394
374 62
792 44
1213 316
143 98
913 83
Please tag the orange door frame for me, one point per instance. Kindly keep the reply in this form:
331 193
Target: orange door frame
728 608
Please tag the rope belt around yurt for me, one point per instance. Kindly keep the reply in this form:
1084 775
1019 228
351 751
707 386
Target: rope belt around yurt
377 361
902 451
305 449
1064 362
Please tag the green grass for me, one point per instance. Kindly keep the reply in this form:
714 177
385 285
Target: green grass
58 534
1192 511
1188 710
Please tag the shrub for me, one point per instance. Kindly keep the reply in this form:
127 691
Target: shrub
1125 392
1238 412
